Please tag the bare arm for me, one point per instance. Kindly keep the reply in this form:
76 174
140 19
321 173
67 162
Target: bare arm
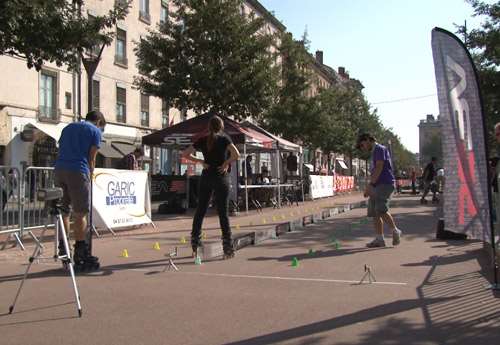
189 155
92 156
379 166
234 155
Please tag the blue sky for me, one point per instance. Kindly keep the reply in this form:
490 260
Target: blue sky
386 44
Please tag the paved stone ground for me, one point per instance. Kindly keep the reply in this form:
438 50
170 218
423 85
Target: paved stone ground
427 291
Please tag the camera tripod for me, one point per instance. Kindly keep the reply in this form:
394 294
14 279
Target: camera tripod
60 233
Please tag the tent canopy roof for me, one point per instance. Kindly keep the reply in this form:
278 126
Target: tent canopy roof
282 144
187 132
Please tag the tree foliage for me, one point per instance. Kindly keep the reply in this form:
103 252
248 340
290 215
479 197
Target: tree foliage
402 158
433 148
207 56
53 30
346 114
485 45
294 115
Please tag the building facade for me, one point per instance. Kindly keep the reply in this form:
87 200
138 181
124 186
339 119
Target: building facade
429 139
35 106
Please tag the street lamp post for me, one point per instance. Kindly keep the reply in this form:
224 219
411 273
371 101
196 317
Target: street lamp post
90 62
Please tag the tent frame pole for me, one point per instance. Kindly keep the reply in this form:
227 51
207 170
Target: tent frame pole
246 177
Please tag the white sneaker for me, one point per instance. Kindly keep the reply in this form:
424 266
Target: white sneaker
376 243
396 237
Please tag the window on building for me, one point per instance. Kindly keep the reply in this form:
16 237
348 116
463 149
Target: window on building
96 95
184 114
121 104
144 11
67 100
48 94
144 110
164 11
165 109
242 10
121 47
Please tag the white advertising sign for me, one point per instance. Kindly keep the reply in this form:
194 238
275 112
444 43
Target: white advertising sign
321 186
120 198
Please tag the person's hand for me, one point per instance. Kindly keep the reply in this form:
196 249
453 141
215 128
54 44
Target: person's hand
205 165
223 168
368 191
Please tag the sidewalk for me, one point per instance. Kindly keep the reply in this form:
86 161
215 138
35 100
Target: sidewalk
180 225
427 291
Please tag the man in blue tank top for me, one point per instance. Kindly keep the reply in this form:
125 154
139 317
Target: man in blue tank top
74 167
379 190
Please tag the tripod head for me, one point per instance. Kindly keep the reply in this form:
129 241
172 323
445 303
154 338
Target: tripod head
52 198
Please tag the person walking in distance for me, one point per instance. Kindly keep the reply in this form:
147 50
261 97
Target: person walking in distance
379 190
131 161
413 176
218 154
428 178
78 146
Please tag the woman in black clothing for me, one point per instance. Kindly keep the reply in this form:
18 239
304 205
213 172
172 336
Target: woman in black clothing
218 153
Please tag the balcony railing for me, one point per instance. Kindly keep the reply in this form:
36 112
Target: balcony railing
145 17
121 60
48 114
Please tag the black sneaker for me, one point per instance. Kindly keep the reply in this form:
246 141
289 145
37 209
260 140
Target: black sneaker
228 255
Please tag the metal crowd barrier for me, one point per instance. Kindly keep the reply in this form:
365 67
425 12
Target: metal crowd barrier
10 203
20 210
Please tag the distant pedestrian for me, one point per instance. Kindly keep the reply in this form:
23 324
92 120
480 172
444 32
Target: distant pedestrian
413 176
264 170
246 166
218 154
379 190
428 178
131 160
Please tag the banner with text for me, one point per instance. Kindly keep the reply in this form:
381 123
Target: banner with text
120 198
466 208
321 186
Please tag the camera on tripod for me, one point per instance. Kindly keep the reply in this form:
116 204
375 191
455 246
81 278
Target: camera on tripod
52 197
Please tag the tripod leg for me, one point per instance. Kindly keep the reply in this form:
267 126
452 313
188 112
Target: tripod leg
70 263
35 254
18 240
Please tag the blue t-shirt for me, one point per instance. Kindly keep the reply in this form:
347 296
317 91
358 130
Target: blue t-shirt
381 153
74 146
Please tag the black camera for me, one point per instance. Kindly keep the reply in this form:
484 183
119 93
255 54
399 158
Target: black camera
49 194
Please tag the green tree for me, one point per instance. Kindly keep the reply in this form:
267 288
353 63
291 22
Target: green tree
207 56
402 158
484 43
53 30
347 114
294 115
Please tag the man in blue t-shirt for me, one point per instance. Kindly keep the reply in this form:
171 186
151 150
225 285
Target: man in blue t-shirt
74 167
379 190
